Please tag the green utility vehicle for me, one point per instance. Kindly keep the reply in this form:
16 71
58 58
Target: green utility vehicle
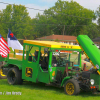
45 61
56 64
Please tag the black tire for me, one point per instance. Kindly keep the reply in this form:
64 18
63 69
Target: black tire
71 87
14 76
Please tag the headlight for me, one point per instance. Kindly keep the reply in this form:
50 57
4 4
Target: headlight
92 81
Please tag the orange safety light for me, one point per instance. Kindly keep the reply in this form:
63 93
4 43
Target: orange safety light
94 87
91 87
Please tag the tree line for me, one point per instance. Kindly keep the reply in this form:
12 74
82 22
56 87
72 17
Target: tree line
64 18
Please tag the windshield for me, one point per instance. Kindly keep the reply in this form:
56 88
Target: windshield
61 57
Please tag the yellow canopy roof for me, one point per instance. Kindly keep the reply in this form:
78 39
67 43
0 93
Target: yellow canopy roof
51 44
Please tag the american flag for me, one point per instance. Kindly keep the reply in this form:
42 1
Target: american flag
4 49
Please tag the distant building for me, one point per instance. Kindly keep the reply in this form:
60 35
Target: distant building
97 41
60 38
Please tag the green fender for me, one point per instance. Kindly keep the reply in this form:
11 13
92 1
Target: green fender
18 65
65 79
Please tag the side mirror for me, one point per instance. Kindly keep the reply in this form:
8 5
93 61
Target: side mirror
45 50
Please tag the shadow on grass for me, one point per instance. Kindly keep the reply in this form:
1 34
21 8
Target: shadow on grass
88 94
3 82
42 86
57 90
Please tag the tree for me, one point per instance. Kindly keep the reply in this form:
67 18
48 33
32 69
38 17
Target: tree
15 17
98 16
65 17
1 25
41 25
90 30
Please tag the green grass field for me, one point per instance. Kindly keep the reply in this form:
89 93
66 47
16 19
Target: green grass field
38 91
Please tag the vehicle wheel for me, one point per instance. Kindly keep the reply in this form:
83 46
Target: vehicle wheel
71 87
2 76
14 76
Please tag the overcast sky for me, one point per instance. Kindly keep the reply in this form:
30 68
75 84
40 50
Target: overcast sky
45 4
